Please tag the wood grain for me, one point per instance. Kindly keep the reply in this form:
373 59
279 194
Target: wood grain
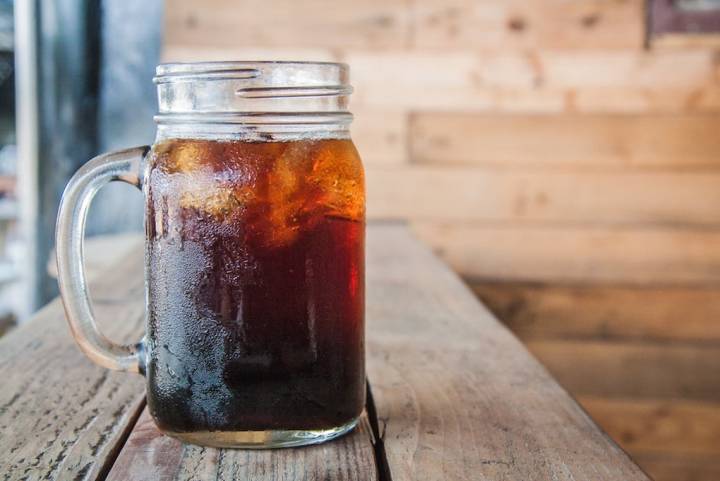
673 440
599 141
457 396
552 80
667 467
651 314
459 24
632 370
426 23
629 68
651 426
62 417
150 456
577 254
701 97
432 193
381 136
368 24
686 40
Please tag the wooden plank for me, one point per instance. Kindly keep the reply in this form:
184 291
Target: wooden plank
404 80
552 79
381 136
62 417
632 255
595 141
664 314
438 363
666 467
649 69
673 440
632 370
457 396
528 24
434 193
224 23
669 100
148 456
686 40
449 80
650 426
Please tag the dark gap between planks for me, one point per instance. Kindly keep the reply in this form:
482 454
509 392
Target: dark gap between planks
117 448
383 468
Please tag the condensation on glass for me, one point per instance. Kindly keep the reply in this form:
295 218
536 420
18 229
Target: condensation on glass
255 224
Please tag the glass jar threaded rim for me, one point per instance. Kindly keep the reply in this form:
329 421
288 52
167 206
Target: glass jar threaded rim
254 95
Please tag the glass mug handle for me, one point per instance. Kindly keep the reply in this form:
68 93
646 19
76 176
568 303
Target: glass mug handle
125 166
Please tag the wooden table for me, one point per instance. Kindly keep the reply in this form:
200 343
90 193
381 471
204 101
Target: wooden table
454 396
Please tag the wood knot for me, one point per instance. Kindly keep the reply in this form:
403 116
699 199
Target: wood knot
383 21
516 24
191 21
590 20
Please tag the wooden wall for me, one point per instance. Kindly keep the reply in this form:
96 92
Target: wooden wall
569 173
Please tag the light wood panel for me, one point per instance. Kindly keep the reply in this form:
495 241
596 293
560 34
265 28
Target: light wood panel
470 81
627 68
632 370
343 23
459 24
583 141
573 254
381 136
423 23
491 194
686 40
659 426
703 97
659 314
407 80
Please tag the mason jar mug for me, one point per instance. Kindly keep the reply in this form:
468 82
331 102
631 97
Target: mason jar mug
254 250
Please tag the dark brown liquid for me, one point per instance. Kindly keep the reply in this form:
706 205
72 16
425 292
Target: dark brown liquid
256 285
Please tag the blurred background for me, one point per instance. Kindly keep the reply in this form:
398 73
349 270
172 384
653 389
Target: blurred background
562 155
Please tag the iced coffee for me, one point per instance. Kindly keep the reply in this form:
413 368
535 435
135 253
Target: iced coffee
255 285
